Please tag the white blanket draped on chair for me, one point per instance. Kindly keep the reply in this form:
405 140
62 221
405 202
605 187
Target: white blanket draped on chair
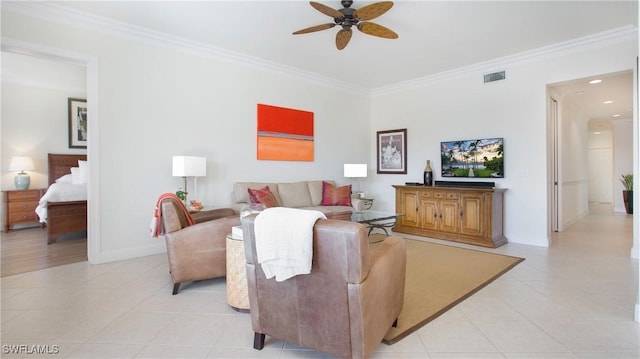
284 241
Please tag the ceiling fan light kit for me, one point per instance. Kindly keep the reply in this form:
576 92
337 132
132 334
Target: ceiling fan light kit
348 17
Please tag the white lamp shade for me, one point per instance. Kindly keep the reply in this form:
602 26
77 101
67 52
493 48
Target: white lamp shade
21 163
355 170
189 166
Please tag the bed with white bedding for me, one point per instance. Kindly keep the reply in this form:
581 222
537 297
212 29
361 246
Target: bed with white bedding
64 206
60 192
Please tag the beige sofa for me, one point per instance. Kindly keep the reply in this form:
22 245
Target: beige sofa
303 194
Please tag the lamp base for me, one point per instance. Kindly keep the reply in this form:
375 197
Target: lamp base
22 181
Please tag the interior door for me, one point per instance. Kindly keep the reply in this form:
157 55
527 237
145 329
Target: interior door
555 191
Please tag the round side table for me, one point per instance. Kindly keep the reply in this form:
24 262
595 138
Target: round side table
237 288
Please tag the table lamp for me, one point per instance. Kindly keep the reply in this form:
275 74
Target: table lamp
356 170
189 166
22 164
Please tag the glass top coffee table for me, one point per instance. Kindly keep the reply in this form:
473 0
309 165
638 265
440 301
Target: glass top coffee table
376 219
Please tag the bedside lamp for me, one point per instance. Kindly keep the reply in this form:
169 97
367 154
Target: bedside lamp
22 164
355 170
189 166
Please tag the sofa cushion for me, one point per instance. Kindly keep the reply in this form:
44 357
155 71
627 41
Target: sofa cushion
294 194
315 190
335 196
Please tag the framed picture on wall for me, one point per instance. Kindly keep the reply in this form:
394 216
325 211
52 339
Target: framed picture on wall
77 123
392 151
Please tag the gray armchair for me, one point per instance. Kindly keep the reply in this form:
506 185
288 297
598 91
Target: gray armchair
345 306
198 251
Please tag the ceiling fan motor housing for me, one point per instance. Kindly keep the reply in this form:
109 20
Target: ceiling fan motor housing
348 20
347 3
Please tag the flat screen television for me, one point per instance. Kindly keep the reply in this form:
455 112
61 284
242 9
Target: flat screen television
483 158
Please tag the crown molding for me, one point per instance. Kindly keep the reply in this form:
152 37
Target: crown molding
71 17
626 33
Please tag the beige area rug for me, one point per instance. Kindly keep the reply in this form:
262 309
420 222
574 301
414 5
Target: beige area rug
439 277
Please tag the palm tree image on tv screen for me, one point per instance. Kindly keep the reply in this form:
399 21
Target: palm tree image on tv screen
482 158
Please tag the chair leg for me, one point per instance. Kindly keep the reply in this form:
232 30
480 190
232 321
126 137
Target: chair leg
395 323
175 288
258 341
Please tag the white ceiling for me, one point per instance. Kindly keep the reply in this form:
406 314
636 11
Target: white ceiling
434 36
43 73
590 98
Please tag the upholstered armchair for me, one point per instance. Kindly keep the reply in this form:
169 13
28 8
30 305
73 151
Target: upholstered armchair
345 306
196 251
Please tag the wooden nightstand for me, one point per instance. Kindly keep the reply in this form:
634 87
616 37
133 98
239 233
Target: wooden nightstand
20 206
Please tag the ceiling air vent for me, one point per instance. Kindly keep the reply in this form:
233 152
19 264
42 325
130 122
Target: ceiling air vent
495 76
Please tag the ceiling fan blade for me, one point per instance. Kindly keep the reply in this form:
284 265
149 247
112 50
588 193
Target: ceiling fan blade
373 29
372 11
342 38
314 28
326 10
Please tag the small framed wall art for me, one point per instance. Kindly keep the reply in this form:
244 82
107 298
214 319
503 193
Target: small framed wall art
77 123
392 151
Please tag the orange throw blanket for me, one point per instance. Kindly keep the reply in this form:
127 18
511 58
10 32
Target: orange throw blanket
155 228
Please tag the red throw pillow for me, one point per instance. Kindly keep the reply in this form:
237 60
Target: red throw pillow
265 197
335 196
252 196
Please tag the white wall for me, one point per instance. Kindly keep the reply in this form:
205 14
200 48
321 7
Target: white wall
156 102
460 106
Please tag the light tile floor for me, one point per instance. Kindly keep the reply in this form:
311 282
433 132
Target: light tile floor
572 300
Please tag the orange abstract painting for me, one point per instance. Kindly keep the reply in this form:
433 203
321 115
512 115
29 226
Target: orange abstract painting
284 134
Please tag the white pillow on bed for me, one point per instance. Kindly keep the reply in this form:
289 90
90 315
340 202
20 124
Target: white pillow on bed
68 178
80 174
75 175
84 171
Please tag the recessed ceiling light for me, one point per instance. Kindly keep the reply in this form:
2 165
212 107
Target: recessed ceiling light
607 102
596 81
596 133
616 115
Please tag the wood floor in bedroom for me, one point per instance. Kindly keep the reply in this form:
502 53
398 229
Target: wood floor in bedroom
26 250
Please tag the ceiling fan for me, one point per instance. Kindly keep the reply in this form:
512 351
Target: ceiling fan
348 17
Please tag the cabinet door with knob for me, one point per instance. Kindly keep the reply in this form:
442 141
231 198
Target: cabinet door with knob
472 221
408 201
438 213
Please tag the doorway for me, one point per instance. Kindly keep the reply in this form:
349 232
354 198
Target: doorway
90 64
583 165
36 130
